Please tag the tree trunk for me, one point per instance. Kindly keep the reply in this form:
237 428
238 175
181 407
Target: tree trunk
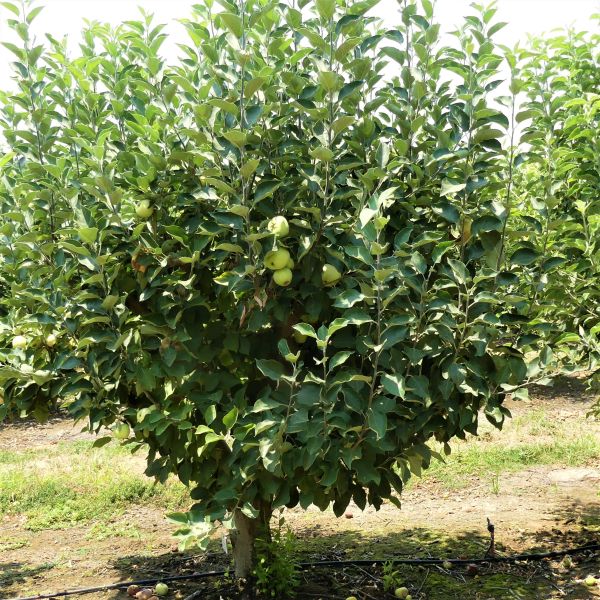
243 540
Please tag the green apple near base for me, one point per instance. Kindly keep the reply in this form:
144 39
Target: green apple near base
161 589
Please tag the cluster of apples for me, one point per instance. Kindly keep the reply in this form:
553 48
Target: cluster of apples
160 589
20 342
281 263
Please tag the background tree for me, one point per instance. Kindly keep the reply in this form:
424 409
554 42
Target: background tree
557 220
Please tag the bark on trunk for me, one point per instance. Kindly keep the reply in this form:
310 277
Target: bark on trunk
243 540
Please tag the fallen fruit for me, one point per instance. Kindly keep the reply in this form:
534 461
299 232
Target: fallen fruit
161 589
349 515
590 581
567 562
143 210
409 597
145 594
447 565
472 569
330 275
351 598
132 590
401 592
278 226
283 277
277 259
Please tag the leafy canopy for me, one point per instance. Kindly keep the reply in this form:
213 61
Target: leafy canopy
135 200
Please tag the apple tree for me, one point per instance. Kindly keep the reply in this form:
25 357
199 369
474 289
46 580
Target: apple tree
557 203
275 265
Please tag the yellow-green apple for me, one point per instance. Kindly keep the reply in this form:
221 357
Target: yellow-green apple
277 259
143 209
278 226
330 274
283 277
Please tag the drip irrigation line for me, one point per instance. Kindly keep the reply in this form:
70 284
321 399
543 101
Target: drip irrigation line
535 556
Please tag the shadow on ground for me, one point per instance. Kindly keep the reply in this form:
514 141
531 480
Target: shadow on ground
533 581
14 573
572 389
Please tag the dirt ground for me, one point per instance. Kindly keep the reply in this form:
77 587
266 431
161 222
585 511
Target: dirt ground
546 507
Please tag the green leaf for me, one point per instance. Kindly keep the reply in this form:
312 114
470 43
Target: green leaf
398 55
6 158
253 86
230 419
326 9
342 123
34 13
265 189
88 234
249 167
329 80
271 368
230 248
486 223
524 256
353 317
460 271
339 359
321 153
349 88
232 22
14 9
377 420
306 329
210 414
236 137
383 154
393 384
348 298
450 187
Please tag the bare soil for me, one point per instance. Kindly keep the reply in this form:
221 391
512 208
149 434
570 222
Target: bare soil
543 508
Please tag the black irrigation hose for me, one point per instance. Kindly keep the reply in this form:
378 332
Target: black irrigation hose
335 563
